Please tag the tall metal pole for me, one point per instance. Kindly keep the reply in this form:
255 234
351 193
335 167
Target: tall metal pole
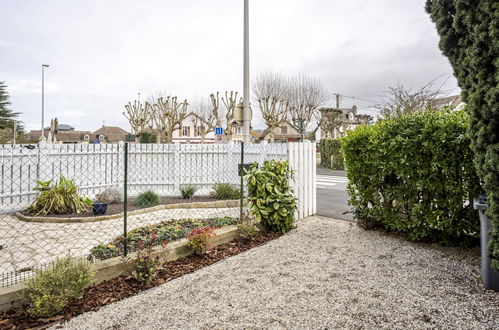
246 119
43 99
15 131
125 202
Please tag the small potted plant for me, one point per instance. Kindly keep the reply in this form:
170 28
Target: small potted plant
199 239
99 208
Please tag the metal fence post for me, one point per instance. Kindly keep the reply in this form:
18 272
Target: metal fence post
125 200
242 181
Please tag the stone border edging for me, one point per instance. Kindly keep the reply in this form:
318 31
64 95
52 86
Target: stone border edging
193 205
12 296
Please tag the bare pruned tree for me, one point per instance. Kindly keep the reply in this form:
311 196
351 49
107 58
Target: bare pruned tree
306 95
400 100
139 116
271 91
205 116
230 102
168 115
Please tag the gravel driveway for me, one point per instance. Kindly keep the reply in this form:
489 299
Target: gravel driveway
325 274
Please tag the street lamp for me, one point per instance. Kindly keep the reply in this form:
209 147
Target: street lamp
43 98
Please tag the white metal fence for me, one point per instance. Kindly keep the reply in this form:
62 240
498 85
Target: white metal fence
158 167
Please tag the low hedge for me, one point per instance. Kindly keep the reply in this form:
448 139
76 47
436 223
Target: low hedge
331 155
414 175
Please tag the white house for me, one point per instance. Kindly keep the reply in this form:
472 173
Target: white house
190 131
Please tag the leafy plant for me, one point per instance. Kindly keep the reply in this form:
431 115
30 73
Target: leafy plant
225 191
199 238
414 175
61 198
147 199
163 232
270 195
188 191
146 266
51 290
331 155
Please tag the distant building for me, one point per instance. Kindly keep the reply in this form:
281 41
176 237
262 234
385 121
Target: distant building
190 130
109 134
286 132
342 120
454 101
66 134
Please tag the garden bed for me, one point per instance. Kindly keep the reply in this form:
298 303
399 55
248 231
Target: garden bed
117 208
165 232
125 286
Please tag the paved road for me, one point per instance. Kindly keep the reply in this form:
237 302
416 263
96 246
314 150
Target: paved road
332 198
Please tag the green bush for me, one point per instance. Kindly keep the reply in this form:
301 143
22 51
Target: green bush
188 191
51 290
414 175
61 198
331 155
271 197
225 191
468 37
147 199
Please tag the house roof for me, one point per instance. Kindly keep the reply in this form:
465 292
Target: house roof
71 136
110 130
62 127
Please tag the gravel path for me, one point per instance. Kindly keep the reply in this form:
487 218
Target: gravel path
325 274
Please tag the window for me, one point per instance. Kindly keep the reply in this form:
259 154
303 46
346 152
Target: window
284 130
198 130
86 137
186 131
101 137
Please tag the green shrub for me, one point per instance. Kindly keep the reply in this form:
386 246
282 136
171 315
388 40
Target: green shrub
147 264
414 175
147 199
225 191
51 290
188 191
271 197
61 198
467 32
331 155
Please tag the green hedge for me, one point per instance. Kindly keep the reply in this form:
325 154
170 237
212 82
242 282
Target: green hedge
414 175
331 155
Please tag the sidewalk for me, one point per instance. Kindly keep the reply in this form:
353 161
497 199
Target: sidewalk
325 274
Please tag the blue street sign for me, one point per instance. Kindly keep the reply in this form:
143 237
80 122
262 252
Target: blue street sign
219 131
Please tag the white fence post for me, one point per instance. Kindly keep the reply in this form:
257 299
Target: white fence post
302 163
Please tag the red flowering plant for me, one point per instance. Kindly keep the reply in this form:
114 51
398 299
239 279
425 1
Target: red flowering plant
147 265
199 238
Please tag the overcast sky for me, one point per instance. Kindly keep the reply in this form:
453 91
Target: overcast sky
103 52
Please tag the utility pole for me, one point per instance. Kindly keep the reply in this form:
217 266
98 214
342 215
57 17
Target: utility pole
15 131
246 119
337 100
43 99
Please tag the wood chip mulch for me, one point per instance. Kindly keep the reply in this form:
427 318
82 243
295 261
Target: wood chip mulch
122 287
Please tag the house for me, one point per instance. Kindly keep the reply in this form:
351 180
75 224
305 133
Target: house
335 122
108 134
286 132
57 134
66 134
190 131
454 101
